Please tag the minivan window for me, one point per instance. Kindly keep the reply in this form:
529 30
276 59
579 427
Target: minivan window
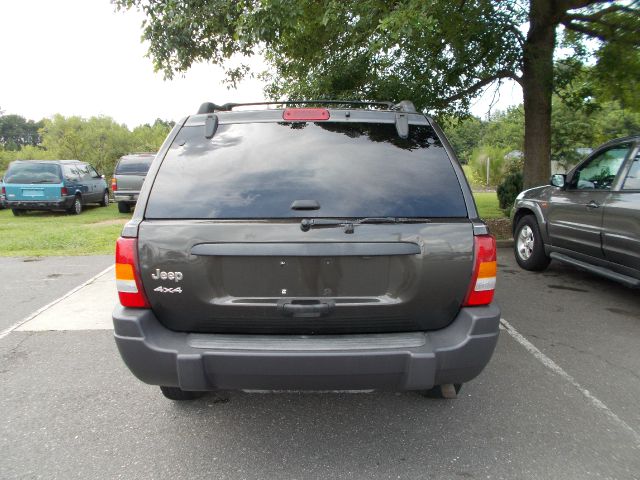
134 165
352 170
92 172
33 172
71 173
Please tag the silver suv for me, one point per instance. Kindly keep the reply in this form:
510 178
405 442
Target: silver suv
588 218
129 175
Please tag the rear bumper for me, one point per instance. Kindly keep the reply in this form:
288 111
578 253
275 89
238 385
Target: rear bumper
405 361
124 196
62 204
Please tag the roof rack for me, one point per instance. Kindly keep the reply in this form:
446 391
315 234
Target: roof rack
403 106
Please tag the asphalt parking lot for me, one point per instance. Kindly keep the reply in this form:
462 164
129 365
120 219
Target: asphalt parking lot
558 400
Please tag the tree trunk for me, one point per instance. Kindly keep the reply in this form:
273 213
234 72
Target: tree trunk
537 88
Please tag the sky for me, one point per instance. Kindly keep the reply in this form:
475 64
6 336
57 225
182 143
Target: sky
82 57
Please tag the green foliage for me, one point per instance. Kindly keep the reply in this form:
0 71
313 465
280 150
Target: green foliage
149 138
475 181
574 128
16 132
426 51
503 130
25 153
97 140
496 157
464 134
509 189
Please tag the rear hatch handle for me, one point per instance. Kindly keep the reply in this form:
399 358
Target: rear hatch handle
305 308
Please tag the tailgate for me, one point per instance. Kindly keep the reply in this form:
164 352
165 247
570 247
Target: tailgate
215 276
130 183
36 192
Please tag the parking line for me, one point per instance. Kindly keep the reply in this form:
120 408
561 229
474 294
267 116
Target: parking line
554 367
10 329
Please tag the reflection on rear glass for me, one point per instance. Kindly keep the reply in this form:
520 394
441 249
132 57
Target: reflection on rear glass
256 170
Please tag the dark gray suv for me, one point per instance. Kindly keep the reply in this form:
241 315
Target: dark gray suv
306 248
589 218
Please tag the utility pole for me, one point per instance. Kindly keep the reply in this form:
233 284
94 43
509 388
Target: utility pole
488 161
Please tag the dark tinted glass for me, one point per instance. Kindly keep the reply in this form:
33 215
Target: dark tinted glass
33 172
134 165
257 170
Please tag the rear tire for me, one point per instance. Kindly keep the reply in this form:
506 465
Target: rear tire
124 207
17 212
76 206
177 394
528 246
448 391
105 199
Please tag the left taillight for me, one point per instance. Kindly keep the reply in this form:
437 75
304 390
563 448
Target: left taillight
4 191
128 282
483 279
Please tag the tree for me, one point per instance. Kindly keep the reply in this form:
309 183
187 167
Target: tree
148 138
97 140
440 53
16 132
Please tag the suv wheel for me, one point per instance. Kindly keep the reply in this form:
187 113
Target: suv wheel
175 393
528 246
105 199
76 207
124 207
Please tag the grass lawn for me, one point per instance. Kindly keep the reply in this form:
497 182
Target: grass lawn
93 232
487 203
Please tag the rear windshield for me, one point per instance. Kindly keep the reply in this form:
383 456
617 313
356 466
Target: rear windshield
134 165
33 172
257 170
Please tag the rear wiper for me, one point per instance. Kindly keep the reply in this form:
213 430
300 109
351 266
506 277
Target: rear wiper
308 223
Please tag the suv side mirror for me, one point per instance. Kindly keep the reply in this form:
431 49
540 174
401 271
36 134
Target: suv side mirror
558 180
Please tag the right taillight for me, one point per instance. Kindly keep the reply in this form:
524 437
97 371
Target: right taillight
114 184
4 191
128 281
483 279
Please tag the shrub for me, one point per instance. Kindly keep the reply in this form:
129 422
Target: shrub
509 189
478 164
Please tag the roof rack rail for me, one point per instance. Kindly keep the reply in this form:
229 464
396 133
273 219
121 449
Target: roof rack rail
209 107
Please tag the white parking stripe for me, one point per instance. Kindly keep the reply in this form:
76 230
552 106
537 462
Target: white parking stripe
553 366
16 325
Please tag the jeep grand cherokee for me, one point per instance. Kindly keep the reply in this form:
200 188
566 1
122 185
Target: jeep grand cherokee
334 246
